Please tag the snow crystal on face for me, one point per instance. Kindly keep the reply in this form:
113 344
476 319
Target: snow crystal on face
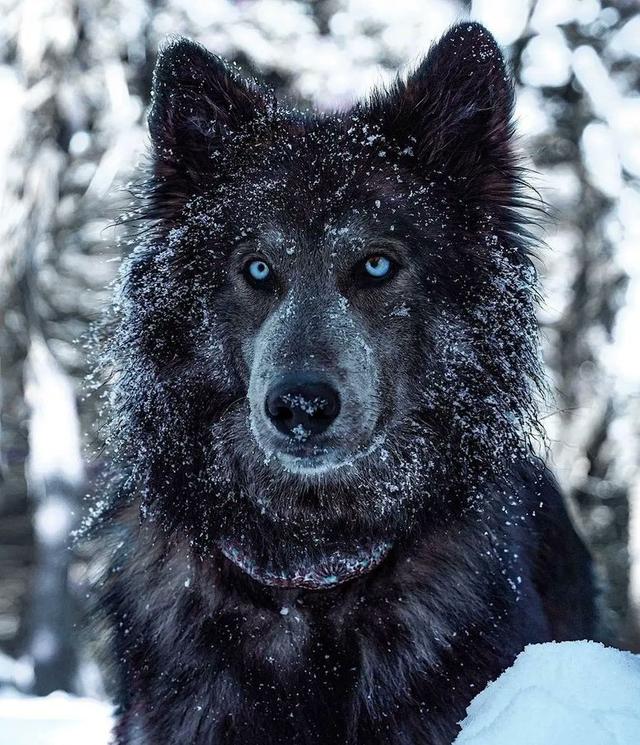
299 433
562 694
308 405
401 311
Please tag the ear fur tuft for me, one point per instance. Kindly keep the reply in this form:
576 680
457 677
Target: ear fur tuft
197 101
455 110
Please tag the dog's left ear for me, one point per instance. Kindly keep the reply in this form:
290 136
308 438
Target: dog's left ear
454 112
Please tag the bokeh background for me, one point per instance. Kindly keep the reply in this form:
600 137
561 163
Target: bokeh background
74 86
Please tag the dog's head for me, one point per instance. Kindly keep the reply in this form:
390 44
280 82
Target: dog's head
329 325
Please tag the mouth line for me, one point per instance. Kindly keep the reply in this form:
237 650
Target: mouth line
324 573
319 458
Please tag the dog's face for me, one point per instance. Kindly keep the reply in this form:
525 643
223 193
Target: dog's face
332 325
318 307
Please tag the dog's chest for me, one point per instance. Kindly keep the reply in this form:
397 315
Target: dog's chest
278 639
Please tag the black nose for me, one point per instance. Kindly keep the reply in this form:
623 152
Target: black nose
301 408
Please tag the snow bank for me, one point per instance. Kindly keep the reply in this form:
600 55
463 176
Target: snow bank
57 719
574 693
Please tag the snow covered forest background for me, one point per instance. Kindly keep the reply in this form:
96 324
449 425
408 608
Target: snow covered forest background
75 77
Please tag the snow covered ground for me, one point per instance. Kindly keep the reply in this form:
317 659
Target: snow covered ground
53 720
575 693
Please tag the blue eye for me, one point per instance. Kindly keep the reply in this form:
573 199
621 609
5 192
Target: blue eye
377 266
259 270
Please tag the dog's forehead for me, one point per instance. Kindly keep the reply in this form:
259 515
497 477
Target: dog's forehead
324 188
345 235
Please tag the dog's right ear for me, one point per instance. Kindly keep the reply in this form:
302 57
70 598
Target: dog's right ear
454 113
197 104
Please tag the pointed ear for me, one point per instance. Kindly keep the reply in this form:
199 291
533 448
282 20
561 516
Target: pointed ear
454 112
197 104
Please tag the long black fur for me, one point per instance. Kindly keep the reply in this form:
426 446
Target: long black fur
484 558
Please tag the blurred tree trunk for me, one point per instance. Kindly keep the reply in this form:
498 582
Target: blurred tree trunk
634 572
56 483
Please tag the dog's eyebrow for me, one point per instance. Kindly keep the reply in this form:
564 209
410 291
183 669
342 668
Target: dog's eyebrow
277 241
357 239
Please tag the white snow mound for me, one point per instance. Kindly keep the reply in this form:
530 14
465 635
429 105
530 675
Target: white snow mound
57 719
571 693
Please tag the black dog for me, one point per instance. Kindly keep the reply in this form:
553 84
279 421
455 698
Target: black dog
330 525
